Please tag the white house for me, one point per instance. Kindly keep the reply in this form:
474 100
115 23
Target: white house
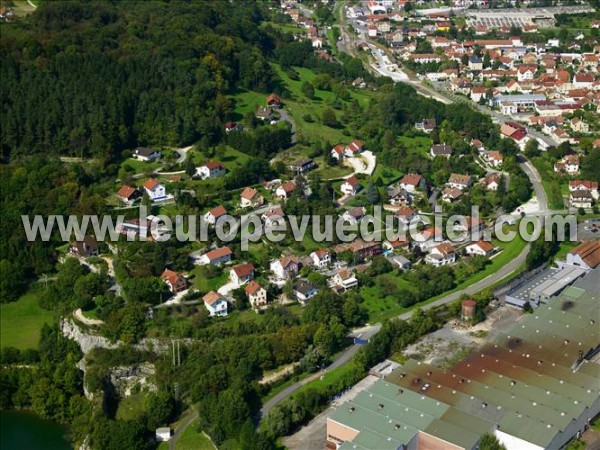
211 169
481 248
354 215
351 186
285 267
440 150
584 185
257 295
441 255
285 190
495 158
492 182
146 154
353 148
581 199
154 189
220 255
459 181
215 303
406 215
241 274
163 434
213 215
427 238
250 198
321 258
411 182
272 216
128 194
337 152
304 290
345 279
569 165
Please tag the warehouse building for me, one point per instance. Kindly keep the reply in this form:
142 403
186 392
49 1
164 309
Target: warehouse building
534 387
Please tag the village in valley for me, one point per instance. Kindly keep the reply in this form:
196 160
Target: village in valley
380 111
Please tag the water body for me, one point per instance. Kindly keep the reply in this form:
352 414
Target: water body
26 431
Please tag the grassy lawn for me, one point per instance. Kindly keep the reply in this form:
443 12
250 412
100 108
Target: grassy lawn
553 184
192 439
331 378
132 407
132 166
379 306
418 144
204 284
280 387
564 248
21 322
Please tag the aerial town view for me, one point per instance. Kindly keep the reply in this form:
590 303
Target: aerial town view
300 224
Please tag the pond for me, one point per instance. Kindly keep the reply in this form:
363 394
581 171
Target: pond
22 430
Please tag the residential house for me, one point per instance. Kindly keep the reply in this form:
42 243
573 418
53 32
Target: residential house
154 189
441 255
317 42
146 154
86 247
478 93
354 215
285 267
321 258
459 181
337 152
583 80
304 290
451 194
213 215
401 262
440 150
353 148
427 238
471 226
584 185
174 281
251 198
351 186
272 216
257 295
263 113
406 215
233 126
475 63
427 125
495 158
569 165
362 249
481 248
526 72
285 190
516 132
396 244
581 199
411 182
216 304
128 194
273 101
586 255
397 196
303 167
492 182
211 169
134 228
579 126
219 255
345 279
241 274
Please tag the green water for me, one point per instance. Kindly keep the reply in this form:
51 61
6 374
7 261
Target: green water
24 431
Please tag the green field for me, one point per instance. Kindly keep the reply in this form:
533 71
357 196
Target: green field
132 407
554 186
21 322
192 439
417 144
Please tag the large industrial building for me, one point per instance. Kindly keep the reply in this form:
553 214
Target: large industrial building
534 387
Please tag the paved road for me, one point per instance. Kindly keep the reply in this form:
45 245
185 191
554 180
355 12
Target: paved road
181 428
283 114
536 181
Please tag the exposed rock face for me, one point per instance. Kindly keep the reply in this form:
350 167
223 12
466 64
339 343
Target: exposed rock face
86 341
89 341
125 378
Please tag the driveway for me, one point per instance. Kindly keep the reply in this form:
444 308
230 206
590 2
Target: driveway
283 114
